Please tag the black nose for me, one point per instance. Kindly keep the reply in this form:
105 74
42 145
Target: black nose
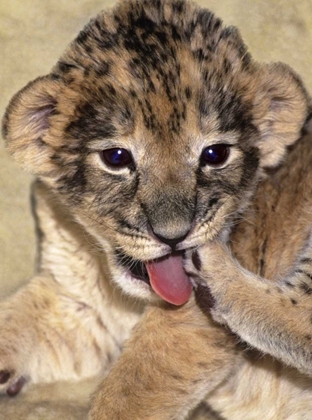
172 242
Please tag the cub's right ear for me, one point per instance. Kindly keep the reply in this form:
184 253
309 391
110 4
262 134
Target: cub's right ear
26 123
280 110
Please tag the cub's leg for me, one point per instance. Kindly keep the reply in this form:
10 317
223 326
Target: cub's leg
276 318
172 360
64 324
41 340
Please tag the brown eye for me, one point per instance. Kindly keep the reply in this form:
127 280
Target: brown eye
117 158
215 155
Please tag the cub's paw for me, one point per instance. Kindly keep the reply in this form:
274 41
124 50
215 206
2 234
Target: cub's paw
207 261
208 268
11 383
17 351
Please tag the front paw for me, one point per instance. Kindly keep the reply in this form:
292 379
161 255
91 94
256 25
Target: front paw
13 366
16 351
11 382
209 267
207 262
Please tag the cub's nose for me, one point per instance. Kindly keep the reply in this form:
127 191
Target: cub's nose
171 240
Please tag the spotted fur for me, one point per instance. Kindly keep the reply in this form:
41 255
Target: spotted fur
162 80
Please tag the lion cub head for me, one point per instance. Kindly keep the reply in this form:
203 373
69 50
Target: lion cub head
154 128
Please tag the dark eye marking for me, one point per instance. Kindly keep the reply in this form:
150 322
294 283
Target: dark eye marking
215 155
117 158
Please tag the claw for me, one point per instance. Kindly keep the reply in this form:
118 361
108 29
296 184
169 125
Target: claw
4 376
15 388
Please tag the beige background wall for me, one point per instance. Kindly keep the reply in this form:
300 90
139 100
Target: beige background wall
33 34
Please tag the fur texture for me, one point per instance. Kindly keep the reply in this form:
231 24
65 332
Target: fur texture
163 83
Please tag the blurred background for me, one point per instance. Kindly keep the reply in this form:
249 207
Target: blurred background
35 32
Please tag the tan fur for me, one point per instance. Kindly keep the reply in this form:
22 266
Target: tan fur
145 78
257 386
167 388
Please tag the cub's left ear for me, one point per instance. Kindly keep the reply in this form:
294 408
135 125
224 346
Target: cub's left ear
281 108
26 124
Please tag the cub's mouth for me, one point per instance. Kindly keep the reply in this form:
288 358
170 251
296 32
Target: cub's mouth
136 267
165 275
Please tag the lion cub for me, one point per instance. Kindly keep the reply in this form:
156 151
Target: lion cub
151 136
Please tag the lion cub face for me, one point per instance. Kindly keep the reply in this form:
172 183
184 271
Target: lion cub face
154 128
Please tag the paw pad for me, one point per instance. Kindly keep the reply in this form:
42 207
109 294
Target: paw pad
4 376
16 387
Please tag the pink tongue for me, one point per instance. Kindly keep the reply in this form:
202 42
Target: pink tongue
169 280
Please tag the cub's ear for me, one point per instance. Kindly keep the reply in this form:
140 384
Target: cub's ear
27 122
281 108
